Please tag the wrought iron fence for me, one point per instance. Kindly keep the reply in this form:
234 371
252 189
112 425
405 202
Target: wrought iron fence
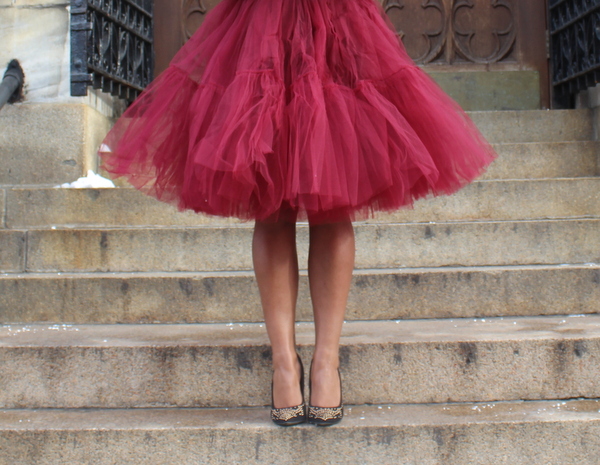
575 47
111 46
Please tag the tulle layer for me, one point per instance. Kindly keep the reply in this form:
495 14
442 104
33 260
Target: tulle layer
284 109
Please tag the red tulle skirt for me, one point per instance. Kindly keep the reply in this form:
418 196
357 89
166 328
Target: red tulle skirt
294 109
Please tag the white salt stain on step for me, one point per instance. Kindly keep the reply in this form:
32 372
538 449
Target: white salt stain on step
91 181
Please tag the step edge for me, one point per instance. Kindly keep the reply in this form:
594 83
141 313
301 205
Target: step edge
465 330
93 420
303 272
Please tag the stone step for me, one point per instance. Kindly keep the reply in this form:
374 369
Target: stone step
394 245
67 150
544 160
483 90
510 433
48 143
533 160
106 298
13 247
218 365
497 200
534 125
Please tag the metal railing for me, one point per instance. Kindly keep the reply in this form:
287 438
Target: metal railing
574 28
111 46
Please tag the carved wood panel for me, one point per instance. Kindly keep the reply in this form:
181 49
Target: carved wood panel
449 31
426 42
484 32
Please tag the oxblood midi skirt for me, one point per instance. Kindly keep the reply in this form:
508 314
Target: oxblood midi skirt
294 109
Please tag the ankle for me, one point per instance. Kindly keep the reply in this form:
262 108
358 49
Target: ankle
285 362
288 384
325 386
325 361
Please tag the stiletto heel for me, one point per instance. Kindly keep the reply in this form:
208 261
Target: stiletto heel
325 416
289 416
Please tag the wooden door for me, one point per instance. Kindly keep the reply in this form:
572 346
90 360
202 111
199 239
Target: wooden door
174 23
475 35
440 35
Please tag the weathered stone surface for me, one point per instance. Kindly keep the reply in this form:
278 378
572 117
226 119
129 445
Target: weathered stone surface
519 433
71 133
12 250
508 200
38 36
497 90
233 297
414 361
543 160
39 207
95 127
57 365
2 208
482 200
74 131
535 125
199 249
378 246
478 243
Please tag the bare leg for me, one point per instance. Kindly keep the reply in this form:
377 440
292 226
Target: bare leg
330 265
276 269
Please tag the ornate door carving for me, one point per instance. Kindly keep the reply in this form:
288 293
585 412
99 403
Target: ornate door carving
484 32
426 43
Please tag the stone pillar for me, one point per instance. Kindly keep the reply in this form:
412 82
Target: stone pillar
50 128
36 33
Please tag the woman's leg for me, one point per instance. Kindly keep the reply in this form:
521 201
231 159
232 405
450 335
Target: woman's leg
276 269
330 266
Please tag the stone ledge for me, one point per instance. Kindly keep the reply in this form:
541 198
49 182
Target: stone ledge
100 298
481 200
228 365
491 90
511 433
378 246
535 125
49 143
12 250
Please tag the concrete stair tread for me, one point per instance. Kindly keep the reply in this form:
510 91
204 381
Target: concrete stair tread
388 245
228 365
303 272
65 156
579 327
544 160
534 125
517 160
221 297
355 416
508 433
480 201
302 225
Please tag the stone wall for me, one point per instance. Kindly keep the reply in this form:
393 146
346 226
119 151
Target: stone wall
68 129
36 32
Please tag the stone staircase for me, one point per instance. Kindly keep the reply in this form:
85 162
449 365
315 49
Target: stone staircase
472 334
